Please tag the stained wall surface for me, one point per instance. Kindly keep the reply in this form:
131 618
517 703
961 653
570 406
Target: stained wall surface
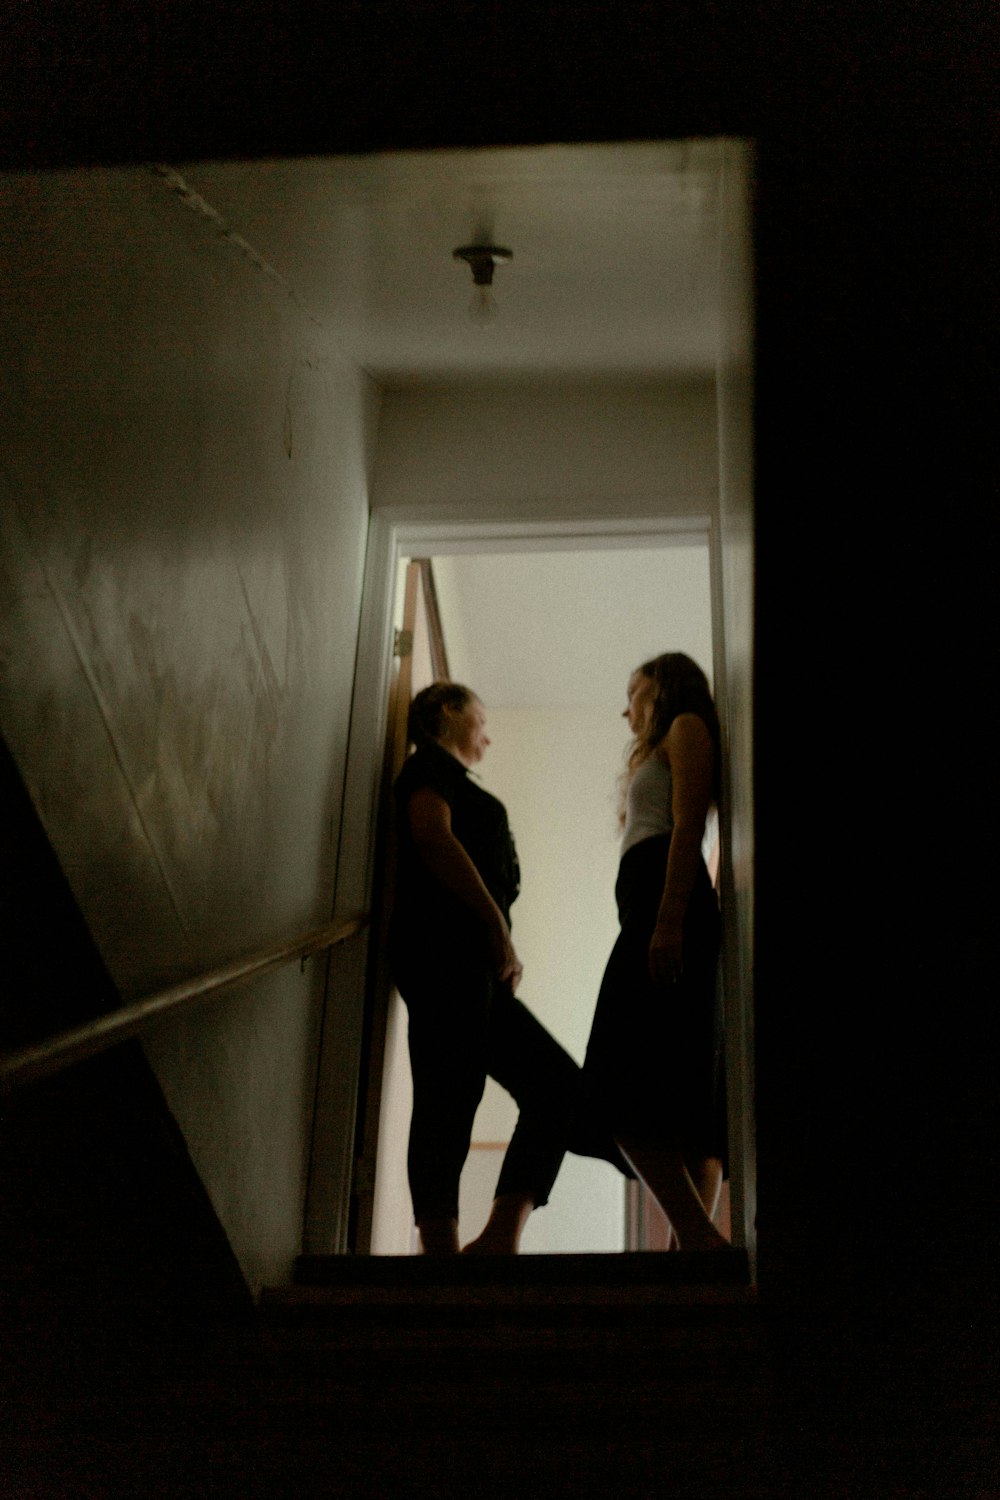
182 526
548 449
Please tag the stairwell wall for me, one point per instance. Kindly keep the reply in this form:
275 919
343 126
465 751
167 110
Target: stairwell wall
182 530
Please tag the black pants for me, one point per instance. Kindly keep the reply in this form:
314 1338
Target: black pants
464 1026
654 1064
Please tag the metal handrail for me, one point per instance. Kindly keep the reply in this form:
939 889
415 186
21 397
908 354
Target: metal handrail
29 1064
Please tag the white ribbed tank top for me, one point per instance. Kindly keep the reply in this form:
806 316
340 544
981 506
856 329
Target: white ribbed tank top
648 803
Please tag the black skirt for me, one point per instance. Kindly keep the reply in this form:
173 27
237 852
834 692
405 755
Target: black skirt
654 1064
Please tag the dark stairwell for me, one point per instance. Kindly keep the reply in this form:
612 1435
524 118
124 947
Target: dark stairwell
137 1364
876 952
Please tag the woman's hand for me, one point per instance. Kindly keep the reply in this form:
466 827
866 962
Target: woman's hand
666 953
688 749
509 969
448 860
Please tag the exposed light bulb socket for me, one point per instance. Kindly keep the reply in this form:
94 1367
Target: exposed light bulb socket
483 260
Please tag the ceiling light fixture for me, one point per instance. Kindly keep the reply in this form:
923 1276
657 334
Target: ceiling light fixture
483 261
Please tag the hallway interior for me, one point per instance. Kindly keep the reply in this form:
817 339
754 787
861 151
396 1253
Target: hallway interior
196 461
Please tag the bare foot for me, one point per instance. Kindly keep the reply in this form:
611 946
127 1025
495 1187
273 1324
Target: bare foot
489 1245
502 1235
438 1236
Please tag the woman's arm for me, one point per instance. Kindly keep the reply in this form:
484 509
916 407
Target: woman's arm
446 858
688 747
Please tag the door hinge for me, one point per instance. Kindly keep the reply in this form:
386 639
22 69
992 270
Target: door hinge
402 644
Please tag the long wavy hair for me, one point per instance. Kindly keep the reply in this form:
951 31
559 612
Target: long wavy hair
679 687
425 720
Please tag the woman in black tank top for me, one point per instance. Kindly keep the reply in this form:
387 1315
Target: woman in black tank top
457 970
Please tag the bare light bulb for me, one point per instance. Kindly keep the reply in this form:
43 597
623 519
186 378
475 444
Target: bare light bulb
483 306
482 261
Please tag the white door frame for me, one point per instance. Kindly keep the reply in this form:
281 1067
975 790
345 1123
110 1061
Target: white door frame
389 540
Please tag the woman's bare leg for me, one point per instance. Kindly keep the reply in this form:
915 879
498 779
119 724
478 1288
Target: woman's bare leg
663 1170
504 1227
706 1174
438 1235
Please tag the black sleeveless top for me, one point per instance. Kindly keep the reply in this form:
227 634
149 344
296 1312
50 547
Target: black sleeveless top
425 913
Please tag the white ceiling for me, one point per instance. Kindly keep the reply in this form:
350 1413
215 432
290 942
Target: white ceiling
615 254
565 629
614 275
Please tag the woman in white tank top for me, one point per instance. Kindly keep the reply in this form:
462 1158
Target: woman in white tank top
654 1067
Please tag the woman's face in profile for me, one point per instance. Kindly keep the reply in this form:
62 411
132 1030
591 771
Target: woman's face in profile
466 738
640 693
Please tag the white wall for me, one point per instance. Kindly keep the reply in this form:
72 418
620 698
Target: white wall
556 770
540 449
182 530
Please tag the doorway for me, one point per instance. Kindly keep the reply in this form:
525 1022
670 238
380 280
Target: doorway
546 629
565 461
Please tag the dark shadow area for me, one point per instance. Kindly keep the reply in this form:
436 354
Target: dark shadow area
116 1277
